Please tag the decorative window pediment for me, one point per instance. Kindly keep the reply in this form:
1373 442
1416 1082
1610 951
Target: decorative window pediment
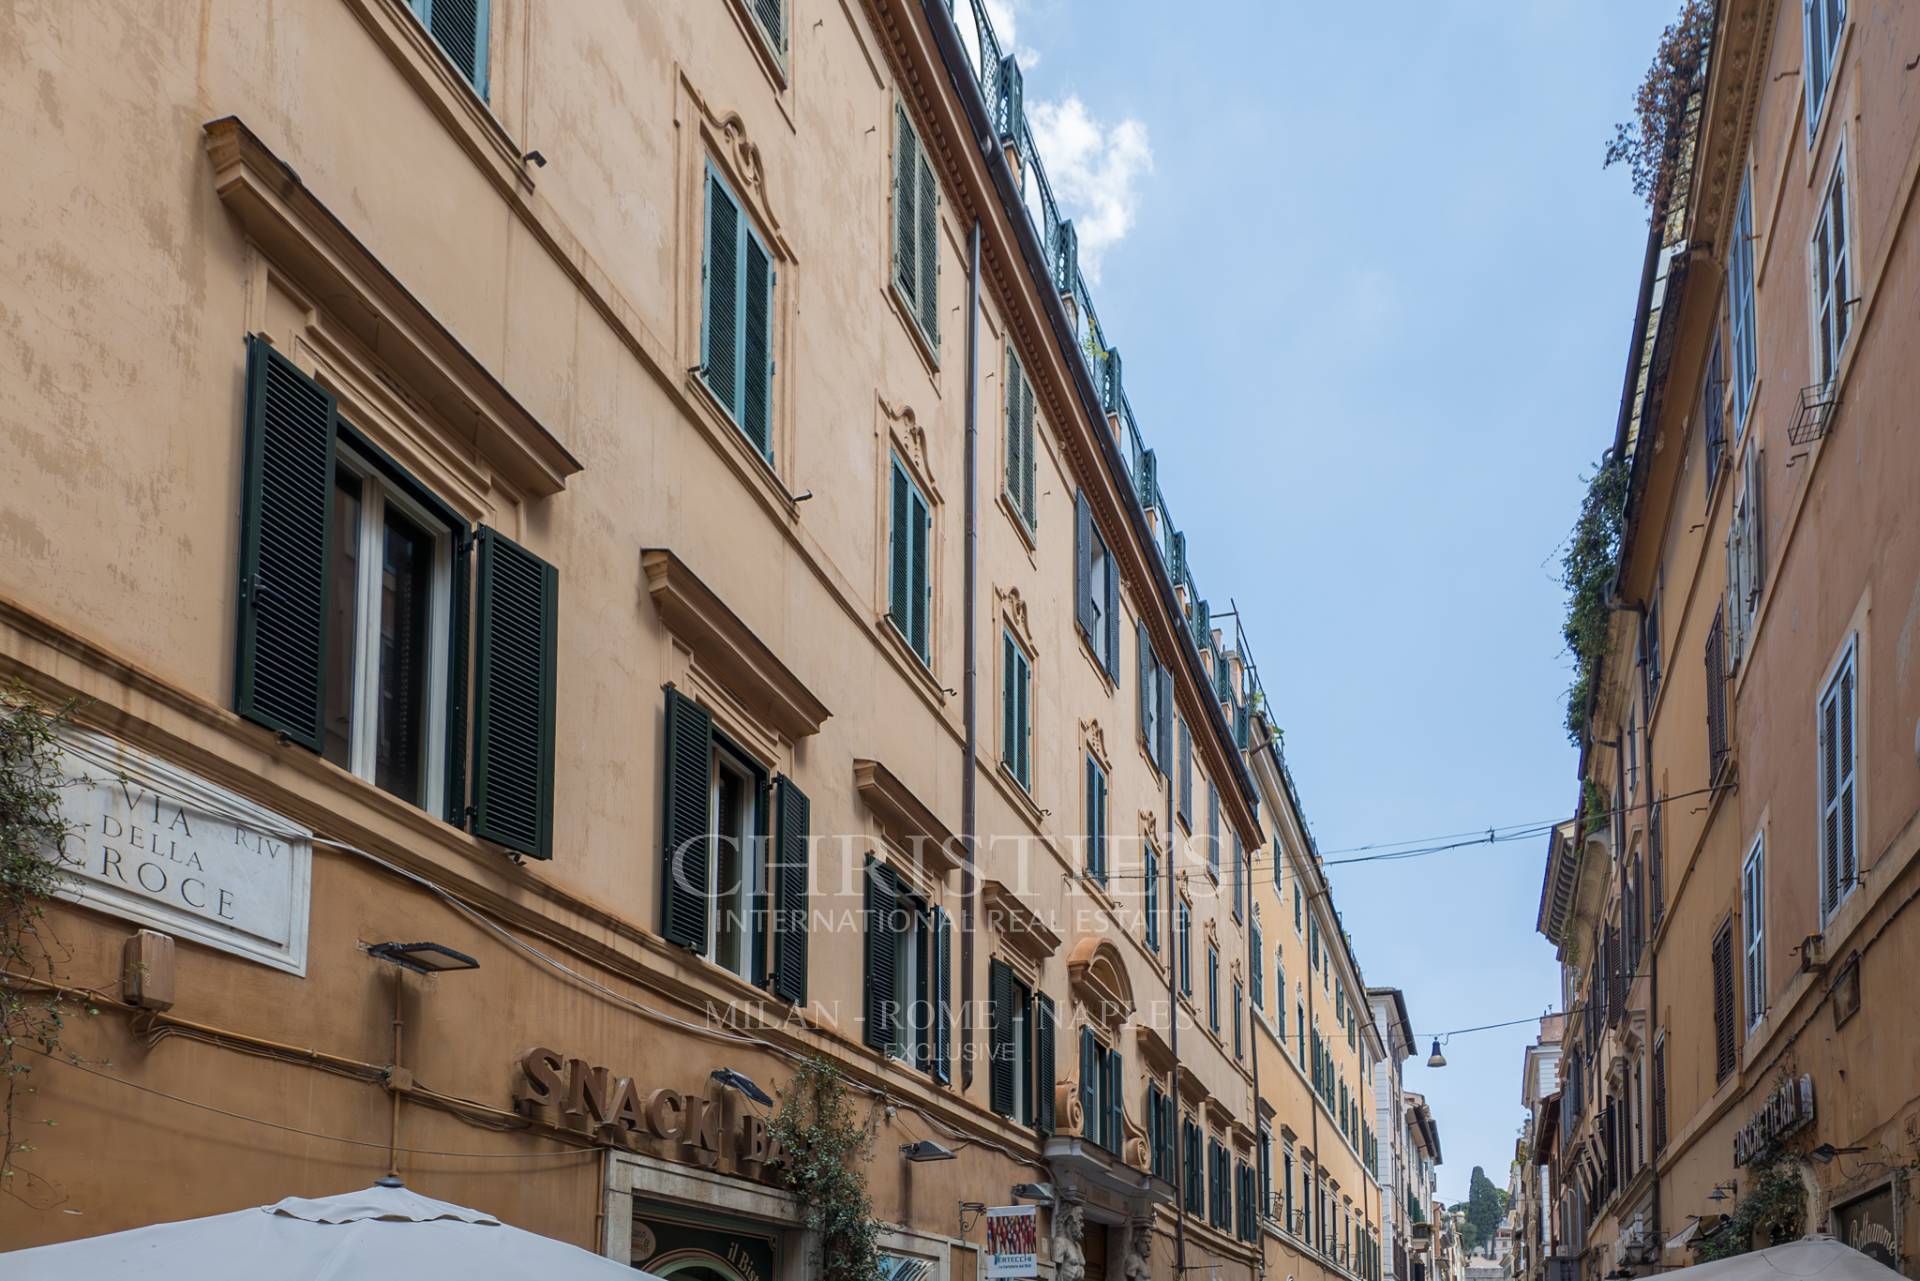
1098 975
908 820
1024 930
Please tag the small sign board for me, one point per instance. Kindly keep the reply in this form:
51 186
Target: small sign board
151 843
1013 1241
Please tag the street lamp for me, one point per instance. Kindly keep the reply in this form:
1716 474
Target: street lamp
926 1150
1436 1059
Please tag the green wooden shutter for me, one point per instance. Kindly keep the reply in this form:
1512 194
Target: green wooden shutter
1024 714
1028 508
286 541
1019 482
1112 639
1186 774
899 571
457 649
1089 1067
792 872
1000 1048
460 28
686 831
920 600
882 957
1043 1069
1150 872
942 998
756 354
772 17
906 221
515 635
929 254
1083 534
1009 727
720 333
1163 750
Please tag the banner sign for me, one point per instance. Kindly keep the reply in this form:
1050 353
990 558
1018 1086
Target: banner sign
1786 1110
1013 1241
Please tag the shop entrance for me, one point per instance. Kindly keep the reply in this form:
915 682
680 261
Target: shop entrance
1094 1244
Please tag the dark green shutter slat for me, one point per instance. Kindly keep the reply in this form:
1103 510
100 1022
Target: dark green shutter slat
1043 1069
906 223
1027 451
942 996
771 17
1000 1051
882 957
1113 626
1016 484
929 250
459 27
1163 750
1083 564
686 841
1149 700
899 576
756 357
920 590
458 627
1090 1120
1009 744
721 354
1113 1127
516 624
286 546
791 873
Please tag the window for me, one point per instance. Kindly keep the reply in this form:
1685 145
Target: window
1150 873
1016 706
1020 441
1100 1090
1713 410
1650 649
736 335
1183 932
1239 1011
916 226
1239 879
1287 1219
1186 775
1096 821
1159 1133
1213 832
1822 21
1753 928
1156 702
909 586
1299 902
909 948
1021 1024
1829 257
1213 988
354 621
1717 745
720 869
900 1267
1300 1029
459 27
387 634
1722 964
1740 309
1190 1159
1280 995
1259 977
1746 555
1096 585
1265 1157
1839 855
1220 1194
772 19
1660 1093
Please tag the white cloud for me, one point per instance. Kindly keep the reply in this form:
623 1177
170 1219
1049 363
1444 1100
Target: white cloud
1004 15
1094 169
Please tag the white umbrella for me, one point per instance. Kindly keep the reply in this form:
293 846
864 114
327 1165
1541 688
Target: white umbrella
384 1232
1814 1256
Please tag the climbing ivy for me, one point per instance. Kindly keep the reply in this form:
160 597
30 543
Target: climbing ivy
825 1150
1586 571
1769 1212
1653 145
33 1013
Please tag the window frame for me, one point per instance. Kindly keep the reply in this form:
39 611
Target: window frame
926 181
728 754
1183 942
1213 987
1830 275
736 412
1097 794
479 82
900 475
381 483
1843 678
1742 310
1016 757
1822 53
1753 929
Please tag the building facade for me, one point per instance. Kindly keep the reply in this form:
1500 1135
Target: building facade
637 572
1735 894
1531 1199
1391 1141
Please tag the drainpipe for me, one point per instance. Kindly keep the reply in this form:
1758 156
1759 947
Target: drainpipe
1265 1156
969 880
1178 939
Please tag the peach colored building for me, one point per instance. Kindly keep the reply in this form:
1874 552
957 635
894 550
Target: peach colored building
1733 911
639 499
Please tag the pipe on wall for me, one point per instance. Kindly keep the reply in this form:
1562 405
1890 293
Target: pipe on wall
970 756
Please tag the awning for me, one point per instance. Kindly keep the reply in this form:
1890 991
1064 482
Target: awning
384 1231
1818 1256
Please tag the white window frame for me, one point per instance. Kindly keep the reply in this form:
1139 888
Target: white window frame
1022 1053
1820 29
1753 929
1846 783
911 1030
1742 347
377 491
1830 274
752 886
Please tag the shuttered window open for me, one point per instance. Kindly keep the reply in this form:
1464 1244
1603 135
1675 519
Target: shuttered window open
1016 695
772 17
285 546
1096 821
1839 852
1043 1063
940 1002
1723 1017
1186 775
1150 873
516 622
736 334
686 830
881 1026
459 27
916 228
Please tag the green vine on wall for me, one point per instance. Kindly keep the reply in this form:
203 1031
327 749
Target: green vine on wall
1653 145
825 1154
1586 571
1769 1212
33 1014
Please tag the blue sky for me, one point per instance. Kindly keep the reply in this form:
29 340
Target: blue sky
1373 289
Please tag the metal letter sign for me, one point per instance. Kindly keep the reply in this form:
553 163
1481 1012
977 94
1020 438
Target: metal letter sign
1013 1241
1786 1110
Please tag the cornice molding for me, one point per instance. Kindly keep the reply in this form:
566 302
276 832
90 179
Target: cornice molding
905 816
303 237
1023 929
727 647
